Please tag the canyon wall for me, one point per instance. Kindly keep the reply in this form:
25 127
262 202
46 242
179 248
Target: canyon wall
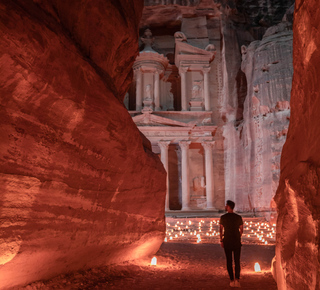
258 120
297 248
79 184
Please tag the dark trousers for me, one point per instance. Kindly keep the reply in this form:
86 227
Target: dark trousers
236 255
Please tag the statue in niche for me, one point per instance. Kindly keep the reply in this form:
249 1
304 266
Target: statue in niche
147 102
148 91
171 102
196 98
196 92
147 40
199 183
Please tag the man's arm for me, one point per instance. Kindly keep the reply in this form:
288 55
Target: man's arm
221 235
241 230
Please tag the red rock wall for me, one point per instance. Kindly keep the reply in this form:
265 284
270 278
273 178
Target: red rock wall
297 249
78 188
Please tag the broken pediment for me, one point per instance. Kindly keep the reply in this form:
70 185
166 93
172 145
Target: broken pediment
149 119
185 52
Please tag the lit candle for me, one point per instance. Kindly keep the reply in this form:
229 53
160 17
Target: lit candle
257 267
154 261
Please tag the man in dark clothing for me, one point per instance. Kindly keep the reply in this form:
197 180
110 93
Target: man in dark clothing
231 229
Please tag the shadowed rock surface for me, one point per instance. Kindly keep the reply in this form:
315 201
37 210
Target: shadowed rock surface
79 185
297 248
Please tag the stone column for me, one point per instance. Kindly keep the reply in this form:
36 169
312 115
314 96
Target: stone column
157 91
208 145
138 90
205 71
184 145
164 145
184 104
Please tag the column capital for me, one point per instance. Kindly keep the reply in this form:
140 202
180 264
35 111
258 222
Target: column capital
164 144
207 145
184 144
206 69
183 69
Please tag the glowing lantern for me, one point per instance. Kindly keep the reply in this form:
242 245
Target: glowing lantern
257 267
154 261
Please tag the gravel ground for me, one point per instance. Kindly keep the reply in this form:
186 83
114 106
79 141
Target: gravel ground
180 266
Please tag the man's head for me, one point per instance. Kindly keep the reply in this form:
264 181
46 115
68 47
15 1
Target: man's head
230 205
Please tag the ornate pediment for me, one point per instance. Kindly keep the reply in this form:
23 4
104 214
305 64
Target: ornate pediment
186 53
185 48
149 119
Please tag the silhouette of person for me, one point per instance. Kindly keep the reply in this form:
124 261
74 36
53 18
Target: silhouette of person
231 229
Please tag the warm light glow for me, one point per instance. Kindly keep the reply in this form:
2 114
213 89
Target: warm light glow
154 261
189 229
257 267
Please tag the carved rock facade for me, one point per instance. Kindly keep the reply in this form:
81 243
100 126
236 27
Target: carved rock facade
239 99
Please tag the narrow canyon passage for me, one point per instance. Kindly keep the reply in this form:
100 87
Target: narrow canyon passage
115 114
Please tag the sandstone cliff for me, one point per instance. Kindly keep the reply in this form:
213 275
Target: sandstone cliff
79 185
258 119
297 249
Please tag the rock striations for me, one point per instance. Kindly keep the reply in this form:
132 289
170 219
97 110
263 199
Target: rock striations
297 248
80 186
254 141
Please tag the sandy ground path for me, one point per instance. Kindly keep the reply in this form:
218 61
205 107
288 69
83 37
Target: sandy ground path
180 266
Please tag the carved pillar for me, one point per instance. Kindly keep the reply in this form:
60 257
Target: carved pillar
184 145
138 90
208 145
184 104
157 91
207 105
164 146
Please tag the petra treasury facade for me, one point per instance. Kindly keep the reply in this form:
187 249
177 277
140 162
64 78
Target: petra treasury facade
214 102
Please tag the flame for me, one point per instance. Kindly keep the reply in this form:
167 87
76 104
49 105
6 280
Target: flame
154 261
257 267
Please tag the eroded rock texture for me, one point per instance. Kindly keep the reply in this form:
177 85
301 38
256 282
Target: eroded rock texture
297 249
255 140
79 184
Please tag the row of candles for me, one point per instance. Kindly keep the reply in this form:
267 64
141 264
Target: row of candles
208 230
257 267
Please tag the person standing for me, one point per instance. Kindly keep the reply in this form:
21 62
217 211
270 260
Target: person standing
231 229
